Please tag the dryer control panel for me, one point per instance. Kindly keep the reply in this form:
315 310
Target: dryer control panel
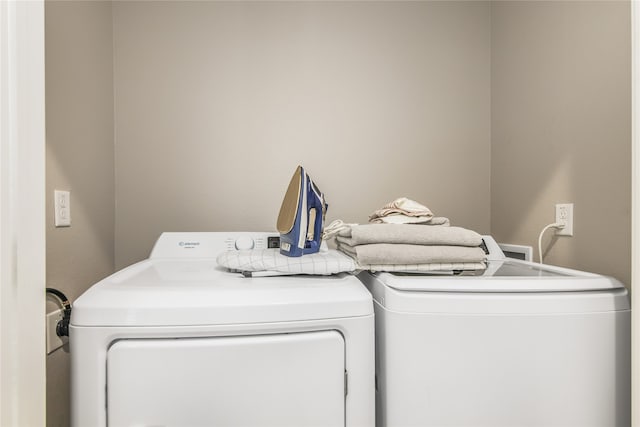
210 244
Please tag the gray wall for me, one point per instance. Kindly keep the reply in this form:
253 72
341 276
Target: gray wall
561 129
488 113
79 121
217 102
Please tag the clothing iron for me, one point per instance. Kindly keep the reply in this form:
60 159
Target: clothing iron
301 217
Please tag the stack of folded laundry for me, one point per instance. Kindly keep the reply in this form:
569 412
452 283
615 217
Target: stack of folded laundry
403 236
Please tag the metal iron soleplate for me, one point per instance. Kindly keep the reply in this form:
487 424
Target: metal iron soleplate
289 208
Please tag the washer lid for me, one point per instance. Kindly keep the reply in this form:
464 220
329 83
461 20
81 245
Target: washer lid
505 275
184 292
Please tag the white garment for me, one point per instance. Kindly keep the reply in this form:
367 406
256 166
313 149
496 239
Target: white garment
403 206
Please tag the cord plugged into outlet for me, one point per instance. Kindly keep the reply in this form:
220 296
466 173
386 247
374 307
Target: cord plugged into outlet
563 224
564 217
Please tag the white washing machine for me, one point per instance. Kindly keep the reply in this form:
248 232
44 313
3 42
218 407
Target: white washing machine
521 344
176 341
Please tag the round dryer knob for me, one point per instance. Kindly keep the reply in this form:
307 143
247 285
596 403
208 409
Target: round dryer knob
244 242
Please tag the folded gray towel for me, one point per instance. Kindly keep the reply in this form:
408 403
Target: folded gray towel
437 220
434 267
406 219
408 234
384 253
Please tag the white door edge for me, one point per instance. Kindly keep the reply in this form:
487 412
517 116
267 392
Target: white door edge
22 216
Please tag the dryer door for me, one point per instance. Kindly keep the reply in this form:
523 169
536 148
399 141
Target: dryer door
261 380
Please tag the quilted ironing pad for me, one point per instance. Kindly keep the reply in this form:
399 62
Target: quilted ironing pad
320 263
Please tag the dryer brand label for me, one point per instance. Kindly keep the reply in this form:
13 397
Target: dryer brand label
188 245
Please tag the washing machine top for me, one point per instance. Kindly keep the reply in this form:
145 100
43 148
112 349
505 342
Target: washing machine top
507 286
182 285
503 275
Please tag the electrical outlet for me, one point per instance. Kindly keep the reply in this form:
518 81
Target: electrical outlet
62 205
54 342
564 216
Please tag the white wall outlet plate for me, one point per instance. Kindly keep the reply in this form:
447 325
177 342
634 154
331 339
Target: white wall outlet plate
62 206
564 216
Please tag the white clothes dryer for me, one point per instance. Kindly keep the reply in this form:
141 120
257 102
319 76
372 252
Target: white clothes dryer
520 344
177 341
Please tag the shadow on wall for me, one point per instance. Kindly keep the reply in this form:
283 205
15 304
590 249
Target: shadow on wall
561 129
596 181
79 255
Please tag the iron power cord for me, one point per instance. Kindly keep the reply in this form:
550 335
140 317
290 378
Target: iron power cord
552 225
62 328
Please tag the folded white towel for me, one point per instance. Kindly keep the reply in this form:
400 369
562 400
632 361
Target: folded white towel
406 219
385 254
413 234
434 267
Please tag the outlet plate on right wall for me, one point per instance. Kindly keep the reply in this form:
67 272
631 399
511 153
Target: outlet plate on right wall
564 215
